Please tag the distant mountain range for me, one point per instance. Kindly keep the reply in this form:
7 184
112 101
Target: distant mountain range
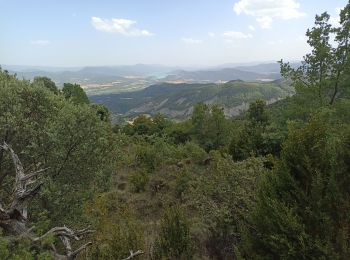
159 73
177 100
225 74
91 75
152 89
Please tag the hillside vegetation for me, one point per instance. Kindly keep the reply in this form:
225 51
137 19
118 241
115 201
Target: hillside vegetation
272 183
177 100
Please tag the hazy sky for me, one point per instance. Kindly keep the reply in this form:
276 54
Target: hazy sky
170 32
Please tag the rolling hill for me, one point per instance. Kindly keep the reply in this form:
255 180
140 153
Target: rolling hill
225 74
177 100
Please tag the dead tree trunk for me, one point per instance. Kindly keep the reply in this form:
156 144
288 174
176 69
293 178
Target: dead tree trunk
14 219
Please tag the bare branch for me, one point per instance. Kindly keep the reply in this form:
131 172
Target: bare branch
16 161
134 254
3 214
33 174
58 231
66 242
14 219
77 251
20 193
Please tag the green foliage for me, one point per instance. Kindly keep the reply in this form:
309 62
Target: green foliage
139 181
180 132
304 202
257 112
272 183
75 93
177 100
210 127
324 71
143 125
118 231
223 196
257 136
21 249
47 131
102 112
174 241
47 83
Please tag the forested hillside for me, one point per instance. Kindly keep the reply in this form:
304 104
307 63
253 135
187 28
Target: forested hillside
271 183
176 101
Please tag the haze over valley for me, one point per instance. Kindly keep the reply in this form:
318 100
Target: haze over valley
129 90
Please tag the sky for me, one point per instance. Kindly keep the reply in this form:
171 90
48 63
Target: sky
179 33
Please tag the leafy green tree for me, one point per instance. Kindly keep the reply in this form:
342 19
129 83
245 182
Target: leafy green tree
47 83
102 112
223 195
324 71
341 55
209 126
257 136
180 132
257 113
303 205
75 93
118 231
174 241
160 123
47 131
143 125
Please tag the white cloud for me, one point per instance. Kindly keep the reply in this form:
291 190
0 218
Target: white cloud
191 41
275 42
251 27
265 22
335 20
40 42
211 34
265 11
234 35
122 26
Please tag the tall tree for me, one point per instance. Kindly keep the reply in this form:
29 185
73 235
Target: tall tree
324 71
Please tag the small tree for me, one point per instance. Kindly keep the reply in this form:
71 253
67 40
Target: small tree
174 241
47 83
209 126
303 205
75 93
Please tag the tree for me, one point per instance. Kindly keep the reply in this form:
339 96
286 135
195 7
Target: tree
324 71
118 231
102 112
257 112
303 205
160 123
46 129
341 53
47 83
143 125
174 241
14 219
209 126
75 93
257 136
224 196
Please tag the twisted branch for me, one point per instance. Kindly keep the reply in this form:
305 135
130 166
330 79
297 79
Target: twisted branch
14 219
134 254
